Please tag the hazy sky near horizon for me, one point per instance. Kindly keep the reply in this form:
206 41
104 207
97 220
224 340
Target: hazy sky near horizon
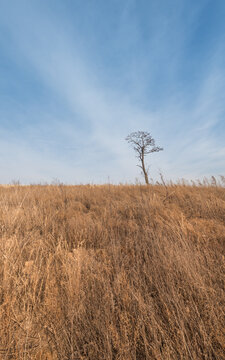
77 76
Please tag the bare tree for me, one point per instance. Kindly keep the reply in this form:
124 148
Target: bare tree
143 143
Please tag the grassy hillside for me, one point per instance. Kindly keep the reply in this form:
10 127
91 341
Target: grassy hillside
112 272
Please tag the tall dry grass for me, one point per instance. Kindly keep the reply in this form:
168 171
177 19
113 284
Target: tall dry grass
112 272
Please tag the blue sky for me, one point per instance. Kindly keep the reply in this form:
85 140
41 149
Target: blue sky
77 76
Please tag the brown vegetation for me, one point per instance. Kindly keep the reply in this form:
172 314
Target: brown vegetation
112 272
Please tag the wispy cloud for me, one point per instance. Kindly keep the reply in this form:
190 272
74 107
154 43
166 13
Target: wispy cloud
74 130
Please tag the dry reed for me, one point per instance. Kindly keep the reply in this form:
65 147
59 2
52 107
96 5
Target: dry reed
112 272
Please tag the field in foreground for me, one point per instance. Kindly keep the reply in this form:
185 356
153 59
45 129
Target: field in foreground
112 272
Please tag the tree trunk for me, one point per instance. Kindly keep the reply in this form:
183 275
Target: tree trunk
144 170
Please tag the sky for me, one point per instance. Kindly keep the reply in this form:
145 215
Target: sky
77 76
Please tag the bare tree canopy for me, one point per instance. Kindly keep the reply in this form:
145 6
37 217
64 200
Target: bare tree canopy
143 144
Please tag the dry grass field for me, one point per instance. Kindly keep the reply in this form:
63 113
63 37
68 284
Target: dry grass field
112 272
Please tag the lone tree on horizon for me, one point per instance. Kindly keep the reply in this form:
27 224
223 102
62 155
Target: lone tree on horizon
144 144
